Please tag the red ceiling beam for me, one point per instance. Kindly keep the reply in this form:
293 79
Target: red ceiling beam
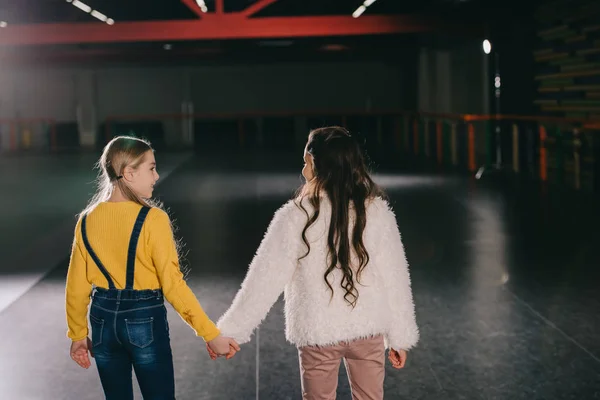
219 6
193 6
257 6
217 26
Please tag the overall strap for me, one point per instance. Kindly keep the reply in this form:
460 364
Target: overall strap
111 284
133 241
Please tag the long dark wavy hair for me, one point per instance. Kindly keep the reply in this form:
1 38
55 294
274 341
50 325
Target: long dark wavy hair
340 173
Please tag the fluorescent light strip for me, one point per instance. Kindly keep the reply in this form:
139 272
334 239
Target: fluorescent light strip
82 6
202 5
95 13
99 15
361 9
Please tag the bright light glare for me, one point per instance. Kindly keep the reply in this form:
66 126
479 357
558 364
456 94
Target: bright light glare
82 6
359 11
3 24
202 5
95 13
487 46
99 15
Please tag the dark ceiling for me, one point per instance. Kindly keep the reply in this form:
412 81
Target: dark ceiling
21 12
61 11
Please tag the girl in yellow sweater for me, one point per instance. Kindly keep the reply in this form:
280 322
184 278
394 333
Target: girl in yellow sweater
124 257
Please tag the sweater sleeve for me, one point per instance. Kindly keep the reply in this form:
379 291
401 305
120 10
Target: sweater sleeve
271 269
78 290
174 287
403 332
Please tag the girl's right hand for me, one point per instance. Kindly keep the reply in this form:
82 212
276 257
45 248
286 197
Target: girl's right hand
224 346
397 358
80 350
213 356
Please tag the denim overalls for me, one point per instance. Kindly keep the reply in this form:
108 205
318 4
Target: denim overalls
130 328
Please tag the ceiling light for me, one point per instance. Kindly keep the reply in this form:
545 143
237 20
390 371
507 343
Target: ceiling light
99 15
202 5
82 6
3 24
359 11
487 46
95 13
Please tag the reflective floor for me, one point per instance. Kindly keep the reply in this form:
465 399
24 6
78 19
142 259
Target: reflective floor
505 280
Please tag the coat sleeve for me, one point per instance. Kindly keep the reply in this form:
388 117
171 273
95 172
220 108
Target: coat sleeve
402 332
78 289
175 289
270 270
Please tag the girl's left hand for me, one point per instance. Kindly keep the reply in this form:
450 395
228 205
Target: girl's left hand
79 352
213 356
397 358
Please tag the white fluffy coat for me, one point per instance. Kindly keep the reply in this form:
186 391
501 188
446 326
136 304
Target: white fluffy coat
385 303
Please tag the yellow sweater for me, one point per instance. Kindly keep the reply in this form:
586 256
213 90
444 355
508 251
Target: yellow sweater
109 228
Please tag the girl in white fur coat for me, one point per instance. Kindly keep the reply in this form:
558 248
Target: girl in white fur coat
336 253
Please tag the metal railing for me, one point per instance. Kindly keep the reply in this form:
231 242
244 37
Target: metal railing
564 151
22 134
560 150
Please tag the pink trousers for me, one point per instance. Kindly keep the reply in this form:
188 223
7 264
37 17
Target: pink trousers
365 363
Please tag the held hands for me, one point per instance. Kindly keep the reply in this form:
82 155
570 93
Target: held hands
79 352
397 358
222 346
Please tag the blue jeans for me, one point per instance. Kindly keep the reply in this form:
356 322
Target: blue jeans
130 328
